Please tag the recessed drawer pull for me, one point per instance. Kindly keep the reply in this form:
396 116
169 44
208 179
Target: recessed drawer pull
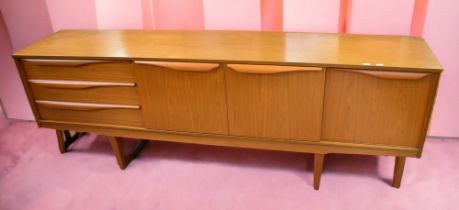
62 62
82 106
392 75
270 69
65 84
181 66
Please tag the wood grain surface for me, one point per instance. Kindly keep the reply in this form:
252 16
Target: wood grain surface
310 49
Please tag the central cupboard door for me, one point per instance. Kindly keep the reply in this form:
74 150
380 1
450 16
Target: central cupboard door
183 96
275 101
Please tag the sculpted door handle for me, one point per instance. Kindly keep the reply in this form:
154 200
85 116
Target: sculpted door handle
181 66
269 69
64 62
391 75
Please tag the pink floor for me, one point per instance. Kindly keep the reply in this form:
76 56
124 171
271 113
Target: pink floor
33 175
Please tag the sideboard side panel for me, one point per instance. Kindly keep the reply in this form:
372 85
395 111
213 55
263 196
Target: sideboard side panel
429 111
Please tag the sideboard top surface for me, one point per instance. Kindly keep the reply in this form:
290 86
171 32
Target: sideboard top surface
315 49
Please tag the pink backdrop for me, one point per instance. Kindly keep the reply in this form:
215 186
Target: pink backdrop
441 31
311 15
232 14
26 21
381 17
67 14
167 15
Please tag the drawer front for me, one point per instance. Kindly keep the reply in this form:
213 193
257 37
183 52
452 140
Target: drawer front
79 70
85 91
275 101
376 107
110 114
183 96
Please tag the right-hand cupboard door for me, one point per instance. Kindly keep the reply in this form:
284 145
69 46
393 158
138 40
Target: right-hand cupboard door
376 107
282 102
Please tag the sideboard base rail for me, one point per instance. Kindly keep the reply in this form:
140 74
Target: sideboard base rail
234 141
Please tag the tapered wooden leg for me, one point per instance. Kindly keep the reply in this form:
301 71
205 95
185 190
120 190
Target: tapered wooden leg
122 158
318 165
65 139
61 141
398 171
118 150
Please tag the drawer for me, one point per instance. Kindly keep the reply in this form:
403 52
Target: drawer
376 107
79 70
110 114
275 101
85 91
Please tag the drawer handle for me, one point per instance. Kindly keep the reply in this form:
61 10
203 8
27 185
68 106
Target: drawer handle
83 106
270 69
63 84
63 62
392 75
181 66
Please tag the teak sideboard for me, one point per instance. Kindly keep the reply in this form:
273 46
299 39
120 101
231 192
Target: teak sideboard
300 92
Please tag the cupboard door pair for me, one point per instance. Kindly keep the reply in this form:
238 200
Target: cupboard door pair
241 100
